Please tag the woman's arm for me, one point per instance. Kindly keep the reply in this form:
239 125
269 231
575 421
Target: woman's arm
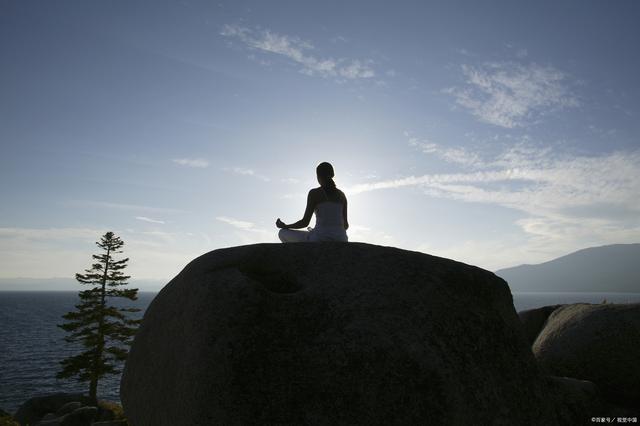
344 212
308 212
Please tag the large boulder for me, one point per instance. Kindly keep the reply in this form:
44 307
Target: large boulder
599 343
533 320
332 333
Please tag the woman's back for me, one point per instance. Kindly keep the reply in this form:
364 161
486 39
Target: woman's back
329 216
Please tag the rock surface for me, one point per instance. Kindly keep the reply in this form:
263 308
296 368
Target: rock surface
599 343
533 320
64 409
68 408
36 408
580 400
332 333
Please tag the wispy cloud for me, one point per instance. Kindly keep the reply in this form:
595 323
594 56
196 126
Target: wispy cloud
567 200
509 94
198 163
248 232
150 220
290 180
246 172
236 223
546 179
300 52
456 155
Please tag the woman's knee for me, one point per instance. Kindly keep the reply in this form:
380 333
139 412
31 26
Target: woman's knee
293 236
287 236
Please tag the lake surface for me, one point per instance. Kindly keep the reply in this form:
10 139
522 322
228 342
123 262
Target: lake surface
31 346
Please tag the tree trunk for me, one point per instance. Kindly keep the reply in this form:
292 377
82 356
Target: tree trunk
97 365
93 389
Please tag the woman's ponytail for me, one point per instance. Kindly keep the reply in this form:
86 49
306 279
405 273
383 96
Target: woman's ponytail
325 171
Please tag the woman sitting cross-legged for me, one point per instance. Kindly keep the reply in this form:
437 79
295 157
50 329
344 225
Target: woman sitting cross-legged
330 206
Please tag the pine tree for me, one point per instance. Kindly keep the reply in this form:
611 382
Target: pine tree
105 331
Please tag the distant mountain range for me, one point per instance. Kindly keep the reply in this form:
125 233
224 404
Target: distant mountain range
614 268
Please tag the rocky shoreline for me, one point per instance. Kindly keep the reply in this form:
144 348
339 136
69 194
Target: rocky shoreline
65 409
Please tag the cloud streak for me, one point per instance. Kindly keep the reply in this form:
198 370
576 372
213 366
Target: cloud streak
241 171
122 206
299 52
547 182
247 232
197 163
149 220
509 94
236 223
456 155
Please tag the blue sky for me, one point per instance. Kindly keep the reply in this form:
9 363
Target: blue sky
494 133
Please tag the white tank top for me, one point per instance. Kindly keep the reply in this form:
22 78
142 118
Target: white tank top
329 222
329 215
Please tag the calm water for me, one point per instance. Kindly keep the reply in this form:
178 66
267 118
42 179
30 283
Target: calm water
31 346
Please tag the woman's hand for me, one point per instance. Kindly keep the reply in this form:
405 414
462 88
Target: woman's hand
280 224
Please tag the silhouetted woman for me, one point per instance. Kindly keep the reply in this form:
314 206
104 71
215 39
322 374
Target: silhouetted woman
330 206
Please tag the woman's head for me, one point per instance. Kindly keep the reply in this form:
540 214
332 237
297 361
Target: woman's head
325 174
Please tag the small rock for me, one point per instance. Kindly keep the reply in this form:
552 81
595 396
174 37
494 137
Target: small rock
6 419
83 416
581 399
51 422
68 408
105 414
50 416
533 320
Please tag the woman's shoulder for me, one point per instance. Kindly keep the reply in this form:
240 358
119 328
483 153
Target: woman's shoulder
316 195
314 192
319 194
